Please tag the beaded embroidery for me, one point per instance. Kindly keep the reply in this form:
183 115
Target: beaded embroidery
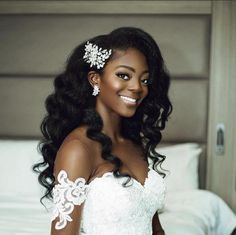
67 194
96 56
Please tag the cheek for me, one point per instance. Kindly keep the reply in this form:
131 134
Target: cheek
111 86
145 91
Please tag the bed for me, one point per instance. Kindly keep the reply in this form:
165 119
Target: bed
28 66
188 209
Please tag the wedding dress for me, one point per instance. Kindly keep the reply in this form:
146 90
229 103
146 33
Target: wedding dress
109 208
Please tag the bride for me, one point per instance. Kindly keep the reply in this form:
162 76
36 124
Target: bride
103 123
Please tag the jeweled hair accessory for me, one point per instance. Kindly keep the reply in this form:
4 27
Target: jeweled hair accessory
96 56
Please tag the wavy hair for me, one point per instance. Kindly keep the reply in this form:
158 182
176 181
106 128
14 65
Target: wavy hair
72 105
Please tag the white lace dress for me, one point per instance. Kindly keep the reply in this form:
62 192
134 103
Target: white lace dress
111 209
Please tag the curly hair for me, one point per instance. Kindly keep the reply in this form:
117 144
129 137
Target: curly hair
72 105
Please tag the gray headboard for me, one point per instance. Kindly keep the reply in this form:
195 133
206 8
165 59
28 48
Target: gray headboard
34 48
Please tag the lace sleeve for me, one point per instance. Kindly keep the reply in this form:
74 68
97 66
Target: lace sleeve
67 194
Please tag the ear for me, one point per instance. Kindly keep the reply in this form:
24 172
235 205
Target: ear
94 78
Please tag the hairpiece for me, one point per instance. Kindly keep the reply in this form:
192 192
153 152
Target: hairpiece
96 56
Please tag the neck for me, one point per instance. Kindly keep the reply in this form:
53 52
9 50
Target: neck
111 124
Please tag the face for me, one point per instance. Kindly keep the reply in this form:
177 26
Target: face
124 83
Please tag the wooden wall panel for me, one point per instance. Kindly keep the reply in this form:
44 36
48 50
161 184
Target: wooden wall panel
221 177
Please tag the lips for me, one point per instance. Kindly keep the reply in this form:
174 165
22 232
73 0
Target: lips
129 100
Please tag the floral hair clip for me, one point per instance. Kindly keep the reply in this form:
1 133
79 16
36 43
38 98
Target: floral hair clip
96 56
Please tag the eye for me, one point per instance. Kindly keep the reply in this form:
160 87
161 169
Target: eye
145 81
124 76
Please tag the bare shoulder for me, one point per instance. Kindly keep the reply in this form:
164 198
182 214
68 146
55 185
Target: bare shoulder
80 133
75 157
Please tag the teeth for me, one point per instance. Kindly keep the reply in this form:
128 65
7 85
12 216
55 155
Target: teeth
128 99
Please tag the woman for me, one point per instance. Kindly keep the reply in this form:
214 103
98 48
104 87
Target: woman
103 124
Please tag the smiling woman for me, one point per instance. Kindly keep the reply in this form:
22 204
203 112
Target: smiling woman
126 79
104 121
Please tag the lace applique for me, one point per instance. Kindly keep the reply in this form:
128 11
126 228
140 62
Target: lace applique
67 194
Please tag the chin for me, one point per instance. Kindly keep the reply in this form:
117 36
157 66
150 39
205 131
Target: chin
127 114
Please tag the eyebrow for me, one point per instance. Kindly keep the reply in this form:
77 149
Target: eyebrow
130 68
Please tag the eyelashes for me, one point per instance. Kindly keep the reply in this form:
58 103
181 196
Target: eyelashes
145 81
126 77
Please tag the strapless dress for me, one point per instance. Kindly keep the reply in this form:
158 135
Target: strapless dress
111 209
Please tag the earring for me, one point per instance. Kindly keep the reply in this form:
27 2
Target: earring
96 90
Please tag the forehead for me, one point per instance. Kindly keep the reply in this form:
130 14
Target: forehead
130 57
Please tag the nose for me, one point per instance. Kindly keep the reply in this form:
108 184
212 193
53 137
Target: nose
135 85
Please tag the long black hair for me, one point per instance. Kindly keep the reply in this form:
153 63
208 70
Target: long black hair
72 105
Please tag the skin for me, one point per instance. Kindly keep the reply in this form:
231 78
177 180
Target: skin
125 74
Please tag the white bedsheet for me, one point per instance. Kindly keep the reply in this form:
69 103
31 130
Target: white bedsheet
195 212
23 216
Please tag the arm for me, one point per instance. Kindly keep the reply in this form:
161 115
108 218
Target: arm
74 159
156 226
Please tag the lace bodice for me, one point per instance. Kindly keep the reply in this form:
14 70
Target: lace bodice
109 208
112 209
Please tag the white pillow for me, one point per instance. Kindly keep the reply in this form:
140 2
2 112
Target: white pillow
16 175
182 163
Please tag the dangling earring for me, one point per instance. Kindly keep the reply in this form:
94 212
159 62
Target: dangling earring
96 90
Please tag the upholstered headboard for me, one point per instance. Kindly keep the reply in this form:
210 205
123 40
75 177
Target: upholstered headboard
34 49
